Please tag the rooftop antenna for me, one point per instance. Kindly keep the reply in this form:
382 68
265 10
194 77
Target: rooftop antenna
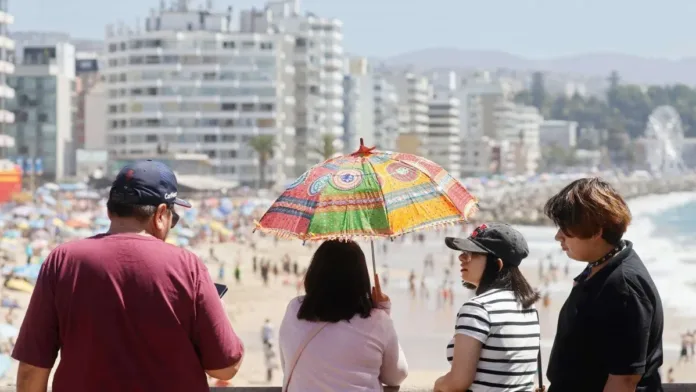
209 5
163 5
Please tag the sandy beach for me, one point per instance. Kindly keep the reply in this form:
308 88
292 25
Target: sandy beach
424 328
424 325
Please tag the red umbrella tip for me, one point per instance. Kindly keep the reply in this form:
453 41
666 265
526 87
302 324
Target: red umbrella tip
363 150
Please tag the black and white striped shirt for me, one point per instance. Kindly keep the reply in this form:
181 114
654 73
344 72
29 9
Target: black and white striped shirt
510 337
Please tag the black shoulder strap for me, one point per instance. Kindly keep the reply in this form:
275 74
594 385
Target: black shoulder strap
540 366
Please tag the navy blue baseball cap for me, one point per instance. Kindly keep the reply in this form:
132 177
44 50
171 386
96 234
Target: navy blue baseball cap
148 183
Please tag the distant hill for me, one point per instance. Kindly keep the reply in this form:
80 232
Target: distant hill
633 69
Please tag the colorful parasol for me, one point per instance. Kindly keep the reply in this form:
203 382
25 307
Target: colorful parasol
368 194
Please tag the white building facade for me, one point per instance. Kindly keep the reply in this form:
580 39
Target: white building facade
187 83
558 133
386 114
444 142
518 125
7 68
414 92
358 106
319 65
44 110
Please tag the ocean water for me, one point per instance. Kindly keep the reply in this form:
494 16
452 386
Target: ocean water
663 233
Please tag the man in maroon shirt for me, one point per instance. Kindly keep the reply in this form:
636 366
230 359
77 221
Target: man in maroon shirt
127 311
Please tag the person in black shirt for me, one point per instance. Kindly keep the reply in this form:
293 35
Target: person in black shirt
609 335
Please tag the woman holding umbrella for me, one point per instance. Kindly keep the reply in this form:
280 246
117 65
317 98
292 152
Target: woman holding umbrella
339 336
496 343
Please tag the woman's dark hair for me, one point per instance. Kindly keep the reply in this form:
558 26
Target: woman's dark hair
337 284
508 278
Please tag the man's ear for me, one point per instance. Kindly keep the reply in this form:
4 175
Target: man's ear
500 265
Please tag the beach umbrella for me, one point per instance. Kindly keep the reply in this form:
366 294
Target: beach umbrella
23 211
5 364
184 232
368 194
8 331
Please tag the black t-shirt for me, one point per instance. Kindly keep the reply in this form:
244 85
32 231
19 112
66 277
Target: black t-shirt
610 324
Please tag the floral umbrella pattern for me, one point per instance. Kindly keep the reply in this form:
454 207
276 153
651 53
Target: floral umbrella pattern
368 194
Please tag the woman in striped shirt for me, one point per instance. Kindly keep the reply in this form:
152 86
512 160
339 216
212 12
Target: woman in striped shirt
496 341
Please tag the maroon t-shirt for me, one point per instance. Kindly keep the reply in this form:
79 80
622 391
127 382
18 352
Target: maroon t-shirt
128 313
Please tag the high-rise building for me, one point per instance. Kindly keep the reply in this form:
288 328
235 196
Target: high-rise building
443 145
189 83
319 65
44 84
558 133
414 92
87 78
358 105
386 114
7 68
519 126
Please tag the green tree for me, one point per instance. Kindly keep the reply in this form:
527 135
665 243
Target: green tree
264 146
538 93
327 148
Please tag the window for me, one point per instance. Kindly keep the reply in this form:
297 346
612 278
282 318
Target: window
229 106
265 123
150 138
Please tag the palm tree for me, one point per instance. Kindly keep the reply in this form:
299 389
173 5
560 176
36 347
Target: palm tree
327 149
264 146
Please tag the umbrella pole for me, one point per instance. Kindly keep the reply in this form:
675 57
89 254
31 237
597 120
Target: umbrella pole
374 265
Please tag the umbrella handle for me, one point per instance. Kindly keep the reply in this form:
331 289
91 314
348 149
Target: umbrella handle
372 248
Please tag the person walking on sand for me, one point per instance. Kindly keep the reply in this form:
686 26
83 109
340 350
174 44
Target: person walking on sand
496 341
684 352
237 273
126 310
412 284
267 332
609 335
270 359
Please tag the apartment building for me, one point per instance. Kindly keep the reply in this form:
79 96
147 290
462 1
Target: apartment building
519 126
444 146
44 83
558 133
358 105
7 68
188 83
414 92
318 60
386 114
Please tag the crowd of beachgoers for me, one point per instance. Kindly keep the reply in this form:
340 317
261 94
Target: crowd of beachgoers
219 229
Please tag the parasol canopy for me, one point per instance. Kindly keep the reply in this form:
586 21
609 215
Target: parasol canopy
368 194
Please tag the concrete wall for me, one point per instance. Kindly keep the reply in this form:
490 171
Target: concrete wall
667 387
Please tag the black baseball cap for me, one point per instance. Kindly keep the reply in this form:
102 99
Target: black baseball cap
146 183
498 239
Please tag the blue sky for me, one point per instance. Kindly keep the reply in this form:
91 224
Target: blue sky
382 28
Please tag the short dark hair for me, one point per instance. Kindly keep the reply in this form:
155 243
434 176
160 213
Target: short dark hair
337 284
139 212
588 206
508 278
